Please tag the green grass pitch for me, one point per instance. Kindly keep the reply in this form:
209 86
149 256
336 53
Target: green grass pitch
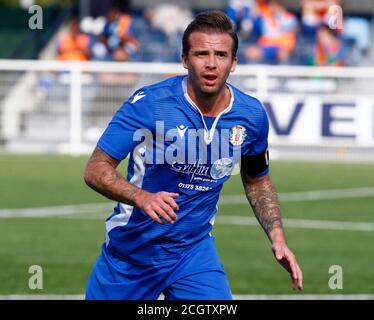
67 247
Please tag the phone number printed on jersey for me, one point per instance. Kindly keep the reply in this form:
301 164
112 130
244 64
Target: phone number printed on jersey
195 187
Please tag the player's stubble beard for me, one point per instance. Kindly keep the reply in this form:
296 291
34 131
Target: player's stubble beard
203 91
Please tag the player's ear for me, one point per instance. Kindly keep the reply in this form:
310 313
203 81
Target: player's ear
184 60
234 64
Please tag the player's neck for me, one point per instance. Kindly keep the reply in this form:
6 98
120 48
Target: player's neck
210 105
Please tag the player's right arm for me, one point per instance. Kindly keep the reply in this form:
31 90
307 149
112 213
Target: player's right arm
114 145
101 175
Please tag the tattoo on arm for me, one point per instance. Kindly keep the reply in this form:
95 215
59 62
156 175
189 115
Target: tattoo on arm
262 196
102 176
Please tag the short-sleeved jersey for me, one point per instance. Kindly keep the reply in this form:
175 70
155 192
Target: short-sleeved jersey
173 149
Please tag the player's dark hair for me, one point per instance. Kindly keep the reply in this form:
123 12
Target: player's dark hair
210 22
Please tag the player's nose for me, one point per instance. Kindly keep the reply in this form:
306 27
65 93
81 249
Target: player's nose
211 62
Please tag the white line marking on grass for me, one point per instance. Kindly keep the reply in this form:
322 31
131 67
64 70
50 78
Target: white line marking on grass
92 211
307 195
224 200
236 297
101 210
57 210
327 194
302 224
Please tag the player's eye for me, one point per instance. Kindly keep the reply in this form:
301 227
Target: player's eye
221 54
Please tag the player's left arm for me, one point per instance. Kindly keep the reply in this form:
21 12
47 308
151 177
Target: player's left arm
262 196
261 192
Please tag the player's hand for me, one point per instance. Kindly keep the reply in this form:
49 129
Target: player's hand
288 261
158 205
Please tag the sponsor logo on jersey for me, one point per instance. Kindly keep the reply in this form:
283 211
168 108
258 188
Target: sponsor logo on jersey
193 169
181 130
221 168
138 96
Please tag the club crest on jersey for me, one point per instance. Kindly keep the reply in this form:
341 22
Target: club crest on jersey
237 135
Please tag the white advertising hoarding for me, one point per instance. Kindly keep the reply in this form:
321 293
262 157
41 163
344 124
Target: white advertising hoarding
320 120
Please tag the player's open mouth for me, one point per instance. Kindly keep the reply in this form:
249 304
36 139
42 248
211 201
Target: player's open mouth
210 79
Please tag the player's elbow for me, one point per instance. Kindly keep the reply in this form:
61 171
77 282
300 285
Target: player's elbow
89 177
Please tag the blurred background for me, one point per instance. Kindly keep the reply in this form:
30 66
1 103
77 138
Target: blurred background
66 67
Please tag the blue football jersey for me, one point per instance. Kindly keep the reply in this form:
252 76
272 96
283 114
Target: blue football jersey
174 148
